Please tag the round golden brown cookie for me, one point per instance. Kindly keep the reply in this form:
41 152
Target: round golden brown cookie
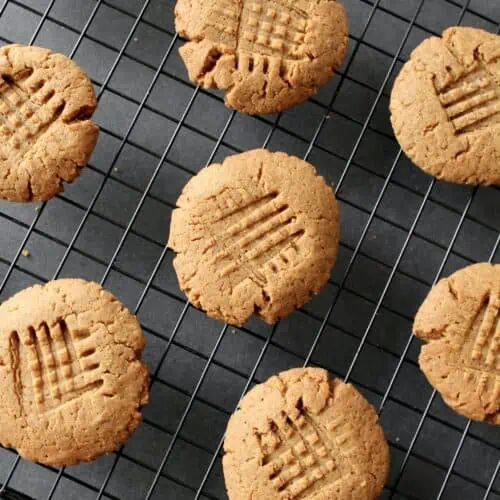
445 106
46 102
258 233
71 378
459 320
267 54
301 435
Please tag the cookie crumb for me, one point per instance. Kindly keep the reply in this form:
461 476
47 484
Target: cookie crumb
26 253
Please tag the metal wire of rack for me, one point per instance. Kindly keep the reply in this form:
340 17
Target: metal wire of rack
401 231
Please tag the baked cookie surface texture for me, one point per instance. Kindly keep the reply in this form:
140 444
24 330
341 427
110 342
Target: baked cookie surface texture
268 55
71 378
46 102
459 320
303 436
258 233
445 106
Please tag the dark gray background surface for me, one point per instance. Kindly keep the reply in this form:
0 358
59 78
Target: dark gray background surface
400 230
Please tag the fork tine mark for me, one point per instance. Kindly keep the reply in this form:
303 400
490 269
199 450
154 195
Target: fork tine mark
458 94
236 207
36 368
277 242
251 230
477 116
15 363
490 319
462 107
47 349
265 224
63 356
494 346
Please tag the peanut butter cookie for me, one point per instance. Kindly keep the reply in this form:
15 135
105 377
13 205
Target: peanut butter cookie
46 102
258 233
303 436
71 378
459 320
445 106
268 55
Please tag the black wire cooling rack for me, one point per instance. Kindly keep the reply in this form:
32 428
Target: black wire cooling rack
401 231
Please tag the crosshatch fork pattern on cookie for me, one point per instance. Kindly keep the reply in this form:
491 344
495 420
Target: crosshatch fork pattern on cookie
52 366
265 27
297 456
249 234
24 115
